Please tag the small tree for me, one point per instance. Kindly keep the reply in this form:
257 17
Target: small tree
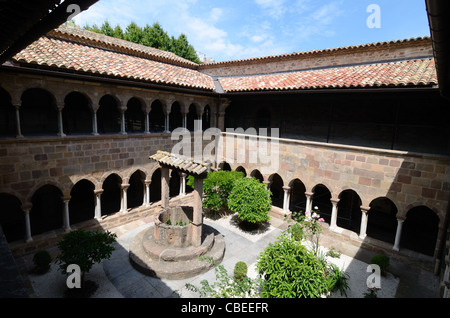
217 187
251 200
84 248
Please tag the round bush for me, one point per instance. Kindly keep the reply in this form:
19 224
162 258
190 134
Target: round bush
240 271
251 200
382 261
42 260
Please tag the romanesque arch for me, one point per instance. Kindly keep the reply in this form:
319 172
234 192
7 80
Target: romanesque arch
155 186
156 117
175 117
38 114
257 175
192 116
225 166
7 115
174 183
242 169
112 193
297 198
321 199
206 118
135 192
382 221
135 116
12 219
349 211
46 213
108 115
420 230
82 202
276 187
77 114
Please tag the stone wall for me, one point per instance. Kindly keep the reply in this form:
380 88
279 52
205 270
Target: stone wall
408 179
27 164
324 58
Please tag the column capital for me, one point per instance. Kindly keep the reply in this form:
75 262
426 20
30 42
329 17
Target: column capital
401 218
124 186
335 201
365 208
309 194
286 188
98 192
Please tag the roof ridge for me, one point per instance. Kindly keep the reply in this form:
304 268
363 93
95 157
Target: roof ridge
319 51
79 35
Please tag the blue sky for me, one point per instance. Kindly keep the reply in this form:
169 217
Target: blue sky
231 29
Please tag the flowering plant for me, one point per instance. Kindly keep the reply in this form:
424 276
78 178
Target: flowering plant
311 225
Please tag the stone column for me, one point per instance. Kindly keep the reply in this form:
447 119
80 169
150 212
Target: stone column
28 237
165 195
98 205
334 212
60 123
124 199
221 121
94 123
398 233
183 184
147 193
286 199
199 123
184 120
66 217
197 219
147 123
267 183
364 219
166 123
18 128
122 121
309 196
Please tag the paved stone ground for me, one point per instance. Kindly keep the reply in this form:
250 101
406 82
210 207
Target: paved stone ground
118 279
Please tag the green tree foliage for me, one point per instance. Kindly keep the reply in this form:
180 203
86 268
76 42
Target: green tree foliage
217 187
84 248
251 200
153 36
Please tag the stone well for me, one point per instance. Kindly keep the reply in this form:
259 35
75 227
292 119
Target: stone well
173 226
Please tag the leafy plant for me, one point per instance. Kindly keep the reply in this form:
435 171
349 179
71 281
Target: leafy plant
217 187
332 252
311 227
240 271
251 200
290 270
84 248
337 280
41 261
382 261
227 286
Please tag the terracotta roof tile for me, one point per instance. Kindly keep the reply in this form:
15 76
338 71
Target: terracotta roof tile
64 54
420 72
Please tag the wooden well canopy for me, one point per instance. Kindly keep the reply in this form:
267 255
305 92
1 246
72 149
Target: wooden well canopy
183 164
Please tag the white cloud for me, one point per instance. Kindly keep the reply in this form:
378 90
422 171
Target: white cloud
274 8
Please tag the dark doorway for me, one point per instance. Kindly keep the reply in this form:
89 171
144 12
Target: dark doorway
297 198
191 118
175 117
77 114
382 220
82 202
7 115
174 183
156 117
276 187
420 230
322 200
349 211
155 186
12 218
134 116
257 175
38 115
111 196
108 115
47 211
135 192
206 118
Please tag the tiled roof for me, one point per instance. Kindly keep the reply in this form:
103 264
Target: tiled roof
181 163
420 72
66 54
329 51
73 49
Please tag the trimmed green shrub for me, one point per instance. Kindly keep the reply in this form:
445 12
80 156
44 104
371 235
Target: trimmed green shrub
217 187
290 270
251 200
84 248
240 271
42 260
382 261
